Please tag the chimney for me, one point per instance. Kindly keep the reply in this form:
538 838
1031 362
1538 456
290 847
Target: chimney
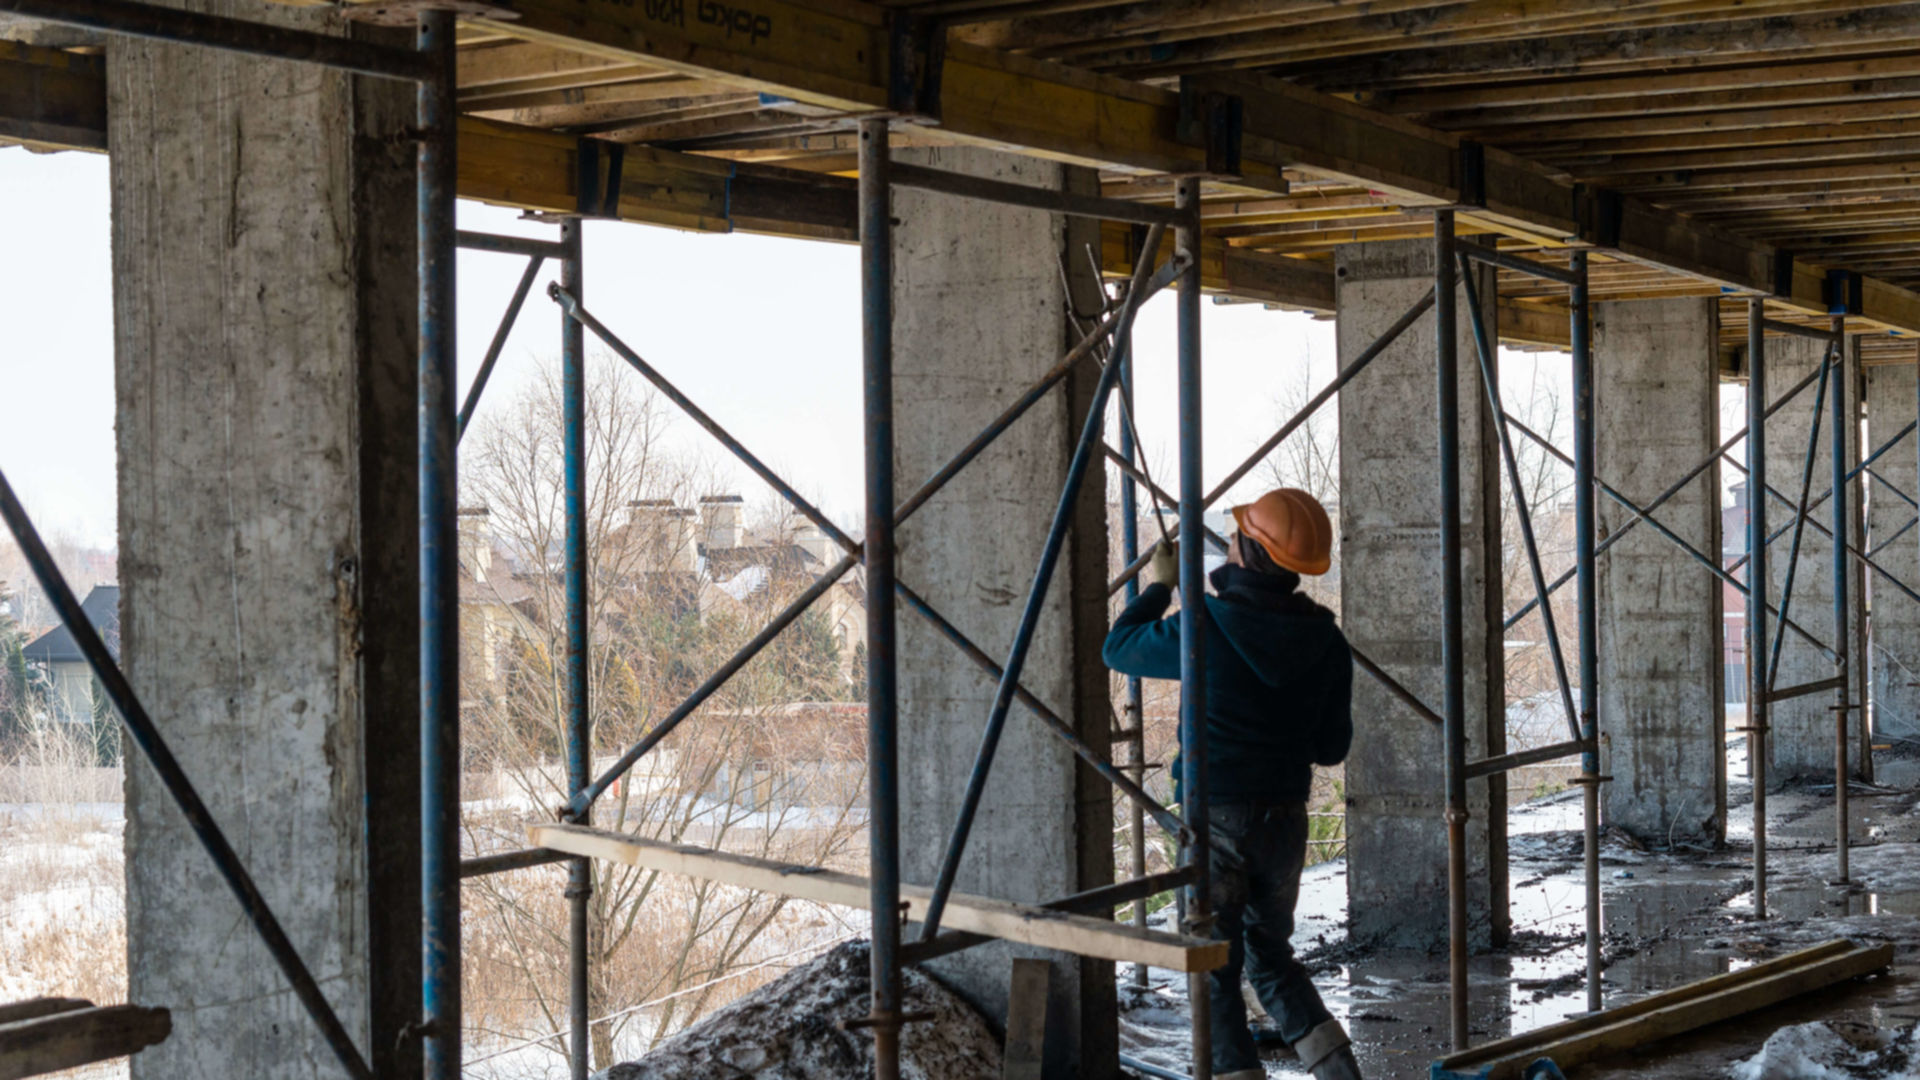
666 535
814 542
476 541
720 521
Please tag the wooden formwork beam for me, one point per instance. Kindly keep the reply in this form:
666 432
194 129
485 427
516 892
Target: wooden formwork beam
1023 923
1666 1014
50 1034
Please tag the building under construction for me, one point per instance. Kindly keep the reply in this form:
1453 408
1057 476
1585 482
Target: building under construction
1679 194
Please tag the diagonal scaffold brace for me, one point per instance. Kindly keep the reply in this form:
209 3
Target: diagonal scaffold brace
153 746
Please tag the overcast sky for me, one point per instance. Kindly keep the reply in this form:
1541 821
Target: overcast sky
762 332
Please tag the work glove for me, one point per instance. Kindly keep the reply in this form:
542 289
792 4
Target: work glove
1164 567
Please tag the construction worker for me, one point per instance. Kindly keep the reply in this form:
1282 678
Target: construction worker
1279 679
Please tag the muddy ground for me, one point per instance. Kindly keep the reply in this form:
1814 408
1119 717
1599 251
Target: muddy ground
1672 915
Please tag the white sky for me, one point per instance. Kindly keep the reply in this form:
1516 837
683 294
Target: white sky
762 332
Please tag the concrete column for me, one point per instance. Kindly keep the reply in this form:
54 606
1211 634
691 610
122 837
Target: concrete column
1662 707
1803 729
1894 653
1390 606
263 249
978 316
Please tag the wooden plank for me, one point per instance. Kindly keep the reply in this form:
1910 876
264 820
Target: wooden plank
1023 923
1624 42
78 1037
43 1006
1664 1015
1637 85
1026 1019
1533 324
53 99
496 66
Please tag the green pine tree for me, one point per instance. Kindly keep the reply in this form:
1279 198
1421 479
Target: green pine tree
14 684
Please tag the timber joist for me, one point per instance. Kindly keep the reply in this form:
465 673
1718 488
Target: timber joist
1686 143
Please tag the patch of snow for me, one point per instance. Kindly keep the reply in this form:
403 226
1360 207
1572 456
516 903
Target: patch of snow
1826 1051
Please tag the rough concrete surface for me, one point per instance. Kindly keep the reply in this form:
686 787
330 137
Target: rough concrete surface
1894 659
1656 394
979 315
1803 727
790 1030
1390 592
259 311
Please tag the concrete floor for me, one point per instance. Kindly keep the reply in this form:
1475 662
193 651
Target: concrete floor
1671 917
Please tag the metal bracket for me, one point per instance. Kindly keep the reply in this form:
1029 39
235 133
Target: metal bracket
1782 272
1214 120
917 48
1600 212
597 190
1473 174
858 1022
407 12
1842 293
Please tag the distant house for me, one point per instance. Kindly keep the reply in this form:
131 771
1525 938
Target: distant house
56 656
703 561
494 601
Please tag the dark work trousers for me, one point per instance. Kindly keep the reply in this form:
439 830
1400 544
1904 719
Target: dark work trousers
1258 852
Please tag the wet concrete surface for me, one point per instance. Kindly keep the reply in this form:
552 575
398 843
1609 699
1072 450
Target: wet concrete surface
1671 916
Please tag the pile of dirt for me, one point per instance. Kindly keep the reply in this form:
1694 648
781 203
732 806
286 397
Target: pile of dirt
790 1030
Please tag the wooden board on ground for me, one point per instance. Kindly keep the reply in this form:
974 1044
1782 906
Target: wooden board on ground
45 1042
1026 1019
1669 1013
1024 923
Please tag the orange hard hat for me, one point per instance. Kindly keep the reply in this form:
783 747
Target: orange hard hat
1291 527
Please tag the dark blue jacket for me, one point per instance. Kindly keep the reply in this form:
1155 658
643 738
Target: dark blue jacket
1279 682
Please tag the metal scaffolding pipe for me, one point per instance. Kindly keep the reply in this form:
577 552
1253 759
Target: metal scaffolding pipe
1698 556
1796 330
1142 801
573 393
883 722
572 306
1193 615
1660 500
1758 685
1452 615
1091 435
1842 438
501 244
496 346
1135 708
439 553
1800 520
1035 198
1490 380
1586 552
146 736
1508 261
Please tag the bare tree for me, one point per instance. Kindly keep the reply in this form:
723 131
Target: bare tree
763 768
1310 460
1535 712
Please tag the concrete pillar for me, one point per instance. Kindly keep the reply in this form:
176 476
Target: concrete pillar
1803 727
263 250
1390 606
1894 656
1662 707
978 317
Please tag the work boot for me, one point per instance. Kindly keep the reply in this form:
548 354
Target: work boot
1327 1053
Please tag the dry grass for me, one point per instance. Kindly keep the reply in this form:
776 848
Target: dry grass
62 888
